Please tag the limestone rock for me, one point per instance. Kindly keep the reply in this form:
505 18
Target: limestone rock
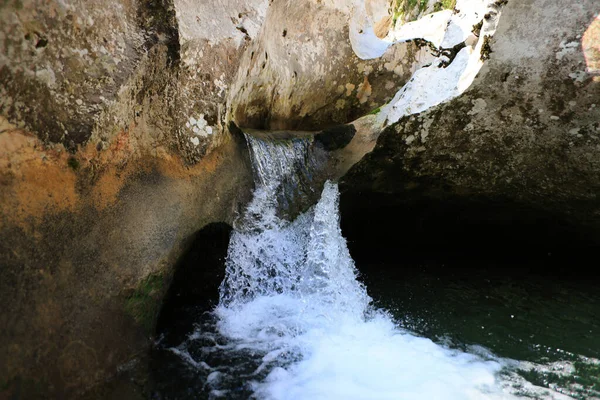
113 153
527 130
301 72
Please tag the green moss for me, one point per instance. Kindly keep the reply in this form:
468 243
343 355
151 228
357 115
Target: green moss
143 305
73 163
375 111
444 5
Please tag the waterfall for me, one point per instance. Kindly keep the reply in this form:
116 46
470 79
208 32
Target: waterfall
306 259
294 322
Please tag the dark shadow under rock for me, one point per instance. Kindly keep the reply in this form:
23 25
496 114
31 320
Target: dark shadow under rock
382 227
194 292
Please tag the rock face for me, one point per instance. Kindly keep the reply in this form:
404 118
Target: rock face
115 145
85 265
528 129
301 72
60 63
113 153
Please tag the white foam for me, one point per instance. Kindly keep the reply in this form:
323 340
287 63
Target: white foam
372 359
292 299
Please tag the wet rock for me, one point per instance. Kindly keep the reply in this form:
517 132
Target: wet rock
336 137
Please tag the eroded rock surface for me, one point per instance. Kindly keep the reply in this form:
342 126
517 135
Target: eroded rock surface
87 258
301 72
113 153
527 130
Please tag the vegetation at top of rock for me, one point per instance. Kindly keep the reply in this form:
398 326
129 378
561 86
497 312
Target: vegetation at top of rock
409 10
444 5
486 49
404 9
375 111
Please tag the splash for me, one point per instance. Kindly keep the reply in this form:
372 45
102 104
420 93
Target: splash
294 322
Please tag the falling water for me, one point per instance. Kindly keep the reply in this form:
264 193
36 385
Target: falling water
293 321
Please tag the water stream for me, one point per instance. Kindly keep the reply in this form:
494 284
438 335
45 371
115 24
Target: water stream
294 321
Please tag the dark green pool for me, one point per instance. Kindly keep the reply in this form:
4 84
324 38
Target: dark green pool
549 321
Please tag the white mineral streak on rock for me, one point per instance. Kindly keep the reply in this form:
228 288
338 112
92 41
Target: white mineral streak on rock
460 28
199 126
432 85
431 27
365 43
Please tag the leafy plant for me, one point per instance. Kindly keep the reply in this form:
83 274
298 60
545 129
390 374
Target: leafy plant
444 5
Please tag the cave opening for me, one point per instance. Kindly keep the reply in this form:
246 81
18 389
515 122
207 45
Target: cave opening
195 284
385 227
194 291
514 279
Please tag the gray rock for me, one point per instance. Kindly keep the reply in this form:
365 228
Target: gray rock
527 129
